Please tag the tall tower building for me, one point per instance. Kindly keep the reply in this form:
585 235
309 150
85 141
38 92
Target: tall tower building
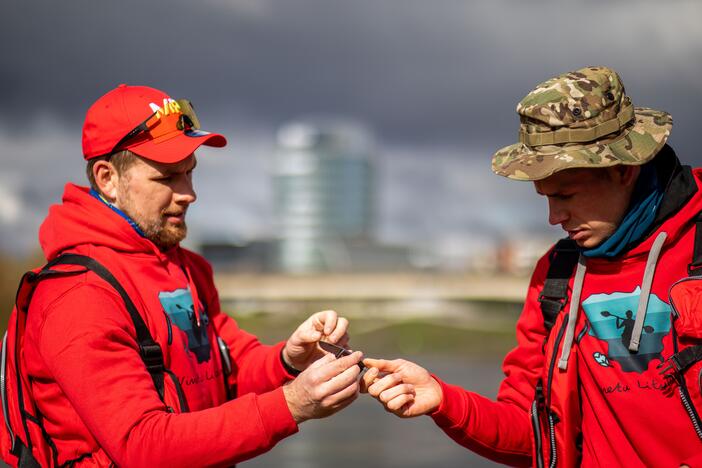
323 193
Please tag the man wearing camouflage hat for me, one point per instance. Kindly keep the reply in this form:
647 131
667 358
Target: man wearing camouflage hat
600 373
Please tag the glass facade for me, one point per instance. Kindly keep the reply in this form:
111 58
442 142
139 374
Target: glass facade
323 193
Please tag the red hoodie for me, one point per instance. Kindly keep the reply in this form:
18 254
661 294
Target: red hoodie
98 401
626 413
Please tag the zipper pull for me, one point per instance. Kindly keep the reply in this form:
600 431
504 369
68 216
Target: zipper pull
539 397
669 369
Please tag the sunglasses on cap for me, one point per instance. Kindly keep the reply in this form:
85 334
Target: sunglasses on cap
175 117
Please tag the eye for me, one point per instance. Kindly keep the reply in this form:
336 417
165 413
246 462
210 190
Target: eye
561 196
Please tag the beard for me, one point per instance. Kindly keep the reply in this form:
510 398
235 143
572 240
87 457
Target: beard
158 230
163 234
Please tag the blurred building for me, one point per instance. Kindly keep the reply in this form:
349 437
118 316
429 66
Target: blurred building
323 184
323 194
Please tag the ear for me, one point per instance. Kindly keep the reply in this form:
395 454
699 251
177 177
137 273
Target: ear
629 174
106 178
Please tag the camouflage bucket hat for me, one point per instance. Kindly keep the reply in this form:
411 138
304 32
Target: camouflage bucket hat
581 119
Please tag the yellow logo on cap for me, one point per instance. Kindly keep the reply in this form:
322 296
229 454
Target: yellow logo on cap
169 107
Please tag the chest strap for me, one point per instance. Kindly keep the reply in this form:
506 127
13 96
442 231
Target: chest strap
554 294
695 267
149 350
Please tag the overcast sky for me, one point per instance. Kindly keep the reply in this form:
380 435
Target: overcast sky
437 81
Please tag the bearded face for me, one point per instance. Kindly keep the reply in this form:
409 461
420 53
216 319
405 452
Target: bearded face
156 196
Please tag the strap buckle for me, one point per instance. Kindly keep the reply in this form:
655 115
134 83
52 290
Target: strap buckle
550 308
152 355
679 362
560 301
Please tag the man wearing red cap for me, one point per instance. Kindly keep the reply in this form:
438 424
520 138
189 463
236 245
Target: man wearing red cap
219 396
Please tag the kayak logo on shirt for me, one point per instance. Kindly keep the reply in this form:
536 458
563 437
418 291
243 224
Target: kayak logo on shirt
178 306
612 318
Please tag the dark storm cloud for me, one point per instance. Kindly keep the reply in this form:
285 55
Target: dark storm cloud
391 63
415 70
438 81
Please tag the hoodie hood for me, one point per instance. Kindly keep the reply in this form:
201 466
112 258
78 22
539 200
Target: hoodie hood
681 201
678 221
81 219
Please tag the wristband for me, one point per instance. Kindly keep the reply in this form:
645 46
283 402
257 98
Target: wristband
288 368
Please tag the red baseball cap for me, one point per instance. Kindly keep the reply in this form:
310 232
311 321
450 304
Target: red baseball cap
145 121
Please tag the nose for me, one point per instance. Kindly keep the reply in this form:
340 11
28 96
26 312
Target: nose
184 193
557 214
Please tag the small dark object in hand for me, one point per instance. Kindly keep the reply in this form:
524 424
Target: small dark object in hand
338 351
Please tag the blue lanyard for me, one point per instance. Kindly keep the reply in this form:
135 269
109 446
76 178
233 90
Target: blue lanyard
131 222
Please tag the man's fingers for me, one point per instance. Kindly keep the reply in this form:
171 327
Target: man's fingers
393 392
325 325
330 369
325 321
383 364
344 403
344 379
350 390
309 335
339 330
330 321
383 384
396 405
327 358
369 378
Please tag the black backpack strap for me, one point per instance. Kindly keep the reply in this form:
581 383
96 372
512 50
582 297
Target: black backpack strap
25 458
554 294
695 267
149 350
682 360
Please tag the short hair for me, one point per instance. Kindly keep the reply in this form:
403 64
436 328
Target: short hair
121 161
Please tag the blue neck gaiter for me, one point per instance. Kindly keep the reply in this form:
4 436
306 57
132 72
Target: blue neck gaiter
124 215
644 204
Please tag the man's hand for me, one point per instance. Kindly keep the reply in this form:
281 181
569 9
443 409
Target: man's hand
402 387
325 387
301 349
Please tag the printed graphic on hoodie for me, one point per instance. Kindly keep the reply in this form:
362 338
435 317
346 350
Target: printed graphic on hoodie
178 305
612 318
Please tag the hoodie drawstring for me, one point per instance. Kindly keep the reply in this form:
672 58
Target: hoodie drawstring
193 291
646 284
646 291
572 313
